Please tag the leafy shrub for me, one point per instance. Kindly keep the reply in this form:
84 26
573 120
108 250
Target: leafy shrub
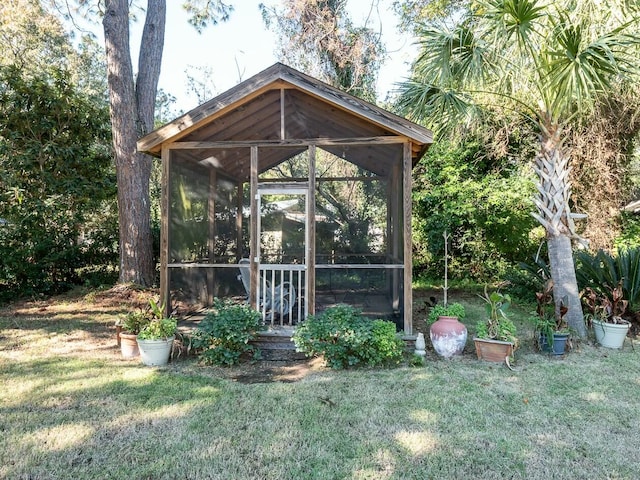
525 278
347 339
151 324
158 329
497 325
630 235
57 182
603 272
481 201
135 321
224 334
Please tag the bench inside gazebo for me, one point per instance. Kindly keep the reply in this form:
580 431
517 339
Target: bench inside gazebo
289 194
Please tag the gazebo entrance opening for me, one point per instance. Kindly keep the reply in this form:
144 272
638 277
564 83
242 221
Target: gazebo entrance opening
282 254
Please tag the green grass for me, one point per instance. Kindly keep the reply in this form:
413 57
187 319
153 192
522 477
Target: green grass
71 408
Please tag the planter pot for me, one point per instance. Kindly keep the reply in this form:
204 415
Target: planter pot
610 335
448 336
493 350
155 352
559 345
129 345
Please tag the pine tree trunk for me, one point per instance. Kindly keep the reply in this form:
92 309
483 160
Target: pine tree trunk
555 216
130 119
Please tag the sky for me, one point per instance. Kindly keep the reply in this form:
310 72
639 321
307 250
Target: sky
235 50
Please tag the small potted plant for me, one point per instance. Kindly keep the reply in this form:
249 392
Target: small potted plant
550 326
448 334
155 339
496 339
604 314
128 329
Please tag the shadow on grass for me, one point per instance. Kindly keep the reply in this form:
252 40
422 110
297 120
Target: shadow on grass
80 418
96 416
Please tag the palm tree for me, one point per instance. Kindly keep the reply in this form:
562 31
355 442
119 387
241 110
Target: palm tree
549 61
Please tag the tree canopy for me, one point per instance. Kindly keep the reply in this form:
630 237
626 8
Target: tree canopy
54 176
320 39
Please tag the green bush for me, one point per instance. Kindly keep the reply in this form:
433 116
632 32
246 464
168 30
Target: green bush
224 333
135 321
630 235
483 203
57 184
603 271
347 339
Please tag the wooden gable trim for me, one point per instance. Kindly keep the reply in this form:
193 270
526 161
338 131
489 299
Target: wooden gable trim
205 113
356 106
281 77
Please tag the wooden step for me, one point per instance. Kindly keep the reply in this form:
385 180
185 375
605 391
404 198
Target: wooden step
277 345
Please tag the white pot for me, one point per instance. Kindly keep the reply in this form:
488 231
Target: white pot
610 335
155 352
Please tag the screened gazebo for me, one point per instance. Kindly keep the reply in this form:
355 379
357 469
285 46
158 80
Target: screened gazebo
291 195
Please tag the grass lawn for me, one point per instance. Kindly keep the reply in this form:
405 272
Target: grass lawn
71 408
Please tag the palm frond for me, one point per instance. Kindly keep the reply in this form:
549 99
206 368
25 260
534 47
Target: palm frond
451 56
578 69
513 21
628 262
440 108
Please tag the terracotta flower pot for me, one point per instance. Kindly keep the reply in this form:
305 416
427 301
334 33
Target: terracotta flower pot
448 336
129 345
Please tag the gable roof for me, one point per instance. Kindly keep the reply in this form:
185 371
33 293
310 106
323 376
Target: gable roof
282 103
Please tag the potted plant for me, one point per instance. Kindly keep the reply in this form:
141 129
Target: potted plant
604 314
155 339
448 335
128 329
495 339
550 327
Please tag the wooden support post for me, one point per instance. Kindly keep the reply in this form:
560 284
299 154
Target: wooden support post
253 230
211 241
310 289
165 293
407 250
239 200
396 227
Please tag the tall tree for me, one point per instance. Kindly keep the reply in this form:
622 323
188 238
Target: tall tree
549 61
132 99
31 39
132 105
56 184
414 13
319 38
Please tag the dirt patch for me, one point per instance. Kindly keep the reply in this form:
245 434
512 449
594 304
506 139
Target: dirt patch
270 371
